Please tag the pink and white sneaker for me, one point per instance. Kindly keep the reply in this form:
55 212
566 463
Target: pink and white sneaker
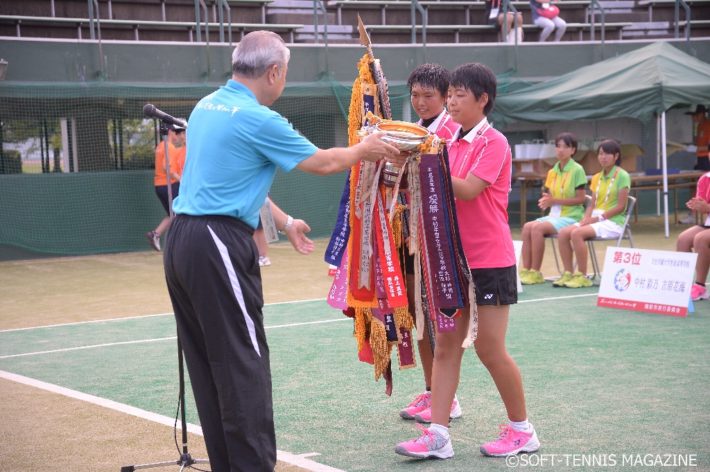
511 442
420 403
698 292
424 416
429 444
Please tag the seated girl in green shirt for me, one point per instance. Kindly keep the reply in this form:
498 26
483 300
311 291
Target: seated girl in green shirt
563 194
604 218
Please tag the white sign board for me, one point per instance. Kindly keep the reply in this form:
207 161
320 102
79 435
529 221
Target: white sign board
646 280
267 222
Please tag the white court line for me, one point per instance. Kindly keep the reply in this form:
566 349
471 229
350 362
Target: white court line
559 298
84 322
344 318
139 317
140 341
92 346
290 325
300 460
268 304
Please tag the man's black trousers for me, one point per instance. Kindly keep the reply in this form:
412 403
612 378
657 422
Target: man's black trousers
214 280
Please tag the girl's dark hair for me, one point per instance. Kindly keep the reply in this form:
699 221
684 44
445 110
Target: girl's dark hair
432 76
569 139
478 79
611 146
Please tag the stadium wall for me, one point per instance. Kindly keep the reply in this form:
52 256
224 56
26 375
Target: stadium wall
95 212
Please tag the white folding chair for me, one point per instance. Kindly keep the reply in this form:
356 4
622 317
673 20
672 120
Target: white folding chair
625 234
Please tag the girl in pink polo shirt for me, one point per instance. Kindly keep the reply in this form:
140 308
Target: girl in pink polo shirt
480 162
428 88
698 238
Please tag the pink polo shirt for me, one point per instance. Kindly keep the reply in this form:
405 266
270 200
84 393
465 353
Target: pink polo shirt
703 190
483 221
444 127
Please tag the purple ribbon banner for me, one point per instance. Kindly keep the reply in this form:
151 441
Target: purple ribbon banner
441 259
341 233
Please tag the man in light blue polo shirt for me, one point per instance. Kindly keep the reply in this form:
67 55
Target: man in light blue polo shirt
235 144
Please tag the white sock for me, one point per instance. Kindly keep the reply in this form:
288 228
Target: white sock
439 429
522 426
510 38
519 34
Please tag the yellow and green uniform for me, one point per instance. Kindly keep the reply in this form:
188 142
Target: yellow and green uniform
563 183
606 190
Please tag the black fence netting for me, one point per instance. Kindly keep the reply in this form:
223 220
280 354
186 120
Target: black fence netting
77 160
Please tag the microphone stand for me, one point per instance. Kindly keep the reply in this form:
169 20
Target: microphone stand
185 460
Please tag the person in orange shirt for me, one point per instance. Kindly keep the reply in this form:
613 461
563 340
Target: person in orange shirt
176 150
702 137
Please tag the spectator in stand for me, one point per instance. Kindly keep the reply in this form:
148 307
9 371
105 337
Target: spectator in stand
176 151
547 17
564 196
494 16
698 238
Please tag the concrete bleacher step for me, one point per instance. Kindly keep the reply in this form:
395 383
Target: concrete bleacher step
301 11
341 34
633 16
641 29
296 17
621 6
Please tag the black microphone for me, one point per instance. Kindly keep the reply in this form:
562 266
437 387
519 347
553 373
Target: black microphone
150 111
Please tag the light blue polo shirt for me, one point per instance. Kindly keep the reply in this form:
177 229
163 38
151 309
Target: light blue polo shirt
234 145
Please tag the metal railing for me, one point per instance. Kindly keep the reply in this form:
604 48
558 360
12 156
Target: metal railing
222 7
592 19
318 10
676 19
592 5
200 6
95 32
507 6
425 21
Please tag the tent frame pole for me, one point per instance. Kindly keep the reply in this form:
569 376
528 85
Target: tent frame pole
658 161
665 173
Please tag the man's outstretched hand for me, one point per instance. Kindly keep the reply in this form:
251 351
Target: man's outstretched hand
296 234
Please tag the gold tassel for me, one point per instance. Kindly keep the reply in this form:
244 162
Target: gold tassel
356 110
361 320
380 347
397 225
403 318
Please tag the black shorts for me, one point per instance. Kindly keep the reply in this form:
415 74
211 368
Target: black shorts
408 263
498 286
162 192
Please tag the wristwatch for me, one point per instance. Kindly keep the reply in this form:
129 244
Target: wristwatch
601 217
289 223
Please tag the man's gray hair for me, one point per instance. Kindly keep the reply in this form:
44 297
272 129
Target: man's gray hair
257 51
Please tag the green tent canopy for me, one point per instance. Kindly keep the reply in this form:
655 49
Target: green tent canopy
639 84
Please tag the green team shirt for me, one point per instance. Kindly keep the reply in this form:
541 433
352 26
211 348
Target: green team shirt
564 184
606 190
